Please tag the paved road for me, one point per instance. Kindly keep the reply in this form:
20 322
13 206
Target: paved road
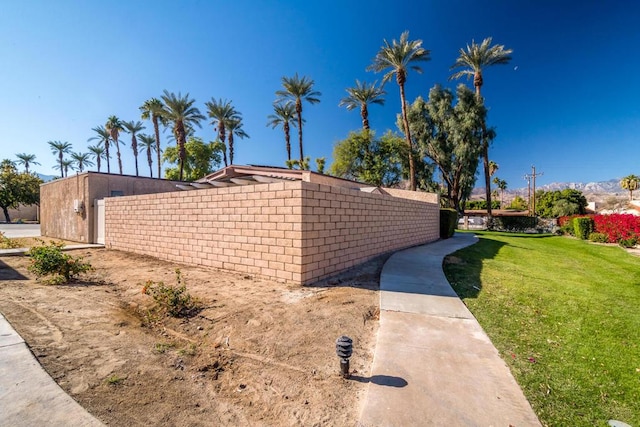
20 230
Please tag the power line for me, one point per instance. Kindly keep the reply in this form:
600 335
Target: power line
529 178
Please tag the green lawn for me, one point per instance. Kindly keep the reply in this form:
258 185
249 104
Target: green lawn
565 316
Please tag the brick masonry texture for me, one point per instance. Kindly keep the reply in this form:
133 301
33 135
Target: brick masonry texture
297 232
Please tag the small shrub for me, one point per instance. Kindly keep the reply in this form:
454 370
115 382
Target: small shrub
115 379
171 300
598 238
582 227
448 222
628 243
7 243
514 223
49 260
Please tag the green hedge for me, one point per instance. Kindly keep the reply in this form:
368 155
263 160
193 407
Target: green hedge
582 227
448 222
514 223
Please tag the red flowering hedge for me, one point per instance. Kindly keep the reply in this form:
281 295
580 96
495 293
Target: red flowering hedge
617 226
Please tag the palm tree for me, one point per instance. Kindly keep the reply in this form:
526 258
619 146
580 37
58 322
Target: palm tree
102 136
148 143
284 114
221 112
81 160
133 128
630 183
114 127
360 96
398 57
26 160
472 61
98 154
502 185
154 109
181 112
235 128
295 91
60 148
64 166
493 167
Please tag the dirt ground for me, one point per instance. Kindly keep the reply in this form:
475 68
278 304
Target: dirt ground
258 353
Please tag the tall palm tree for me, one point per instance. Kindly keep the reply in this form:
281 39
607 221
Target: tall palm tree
471 62
397 58
493 167
97 151
181 112
235 128
284 114
295 91
133 128
114 127
81 160
221 112
103 138
64 167
360 96
148 143
60 148
502 185
26 160
154 109
630 183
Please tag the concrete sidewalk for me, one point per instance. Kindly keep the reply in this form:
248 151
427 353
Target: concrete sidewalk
28 395
433 364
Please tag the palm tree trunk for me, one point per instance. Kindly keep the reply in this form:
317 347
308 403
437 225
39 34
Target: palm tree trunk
487 178
231 148
287 138
364 112
134 148
299 112
223 138
61 166
156 129
407 132
150 161
119 158
98 163
180 134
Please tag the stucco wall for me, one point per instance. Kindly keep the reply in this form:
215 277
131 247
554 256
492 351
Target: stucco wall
57 216
295 231
23 212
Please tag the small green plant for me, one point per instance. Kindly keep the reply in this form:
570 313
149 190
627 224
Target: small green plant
190 350
115 379
628 243
598 238
49 260
582 226
162 347
171 300
7 243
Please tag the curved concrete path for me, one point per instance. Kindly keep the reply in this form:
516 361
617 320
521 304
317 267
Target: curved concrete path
28 395
433 364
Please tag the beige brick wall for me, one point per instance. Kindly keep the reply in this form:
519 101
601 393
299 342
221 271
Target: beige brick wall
297 232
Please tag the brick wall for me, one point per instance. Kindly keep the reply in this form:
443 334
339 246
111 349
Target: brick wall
295 231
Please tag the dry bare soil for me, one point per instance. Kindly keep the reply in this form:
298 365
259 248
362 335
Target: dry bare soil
258 353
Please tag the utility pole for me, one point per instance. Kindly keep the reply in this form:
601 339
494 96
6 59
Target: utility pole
532 177
528 179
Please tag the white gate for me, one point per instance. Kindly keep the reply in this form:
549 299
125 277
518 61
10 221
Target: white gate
98 221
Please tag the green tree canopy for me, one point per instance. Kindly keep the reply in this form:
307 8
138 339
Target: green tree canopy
553 204
201 159
17 188
451 136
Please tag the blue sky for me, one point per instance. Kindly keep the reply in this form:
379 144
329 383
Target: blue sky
567 103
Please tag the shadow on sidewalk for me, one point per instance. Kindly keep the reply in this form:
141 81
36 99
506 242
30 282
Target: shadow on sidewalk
385 380
8 273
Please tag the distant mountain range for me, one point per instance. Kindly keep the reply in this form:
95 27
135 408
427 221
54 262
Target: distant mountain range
601 188
45 178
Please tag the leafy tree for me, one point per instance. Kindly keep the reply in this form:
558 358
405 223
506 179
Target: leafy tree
630 183
133 128
296 90
98 154
60 148
201 159
221 113
552 204
502 185
398 57
26 160
451 136
114 126
362 157
103 138
17 188
180 111
154 109
471 62
284 114
81 160
148 143
360 96
235 128
518 204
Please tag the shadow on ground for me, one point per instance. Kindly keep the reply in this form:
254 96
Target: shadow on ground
8 273
384 380
362 276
